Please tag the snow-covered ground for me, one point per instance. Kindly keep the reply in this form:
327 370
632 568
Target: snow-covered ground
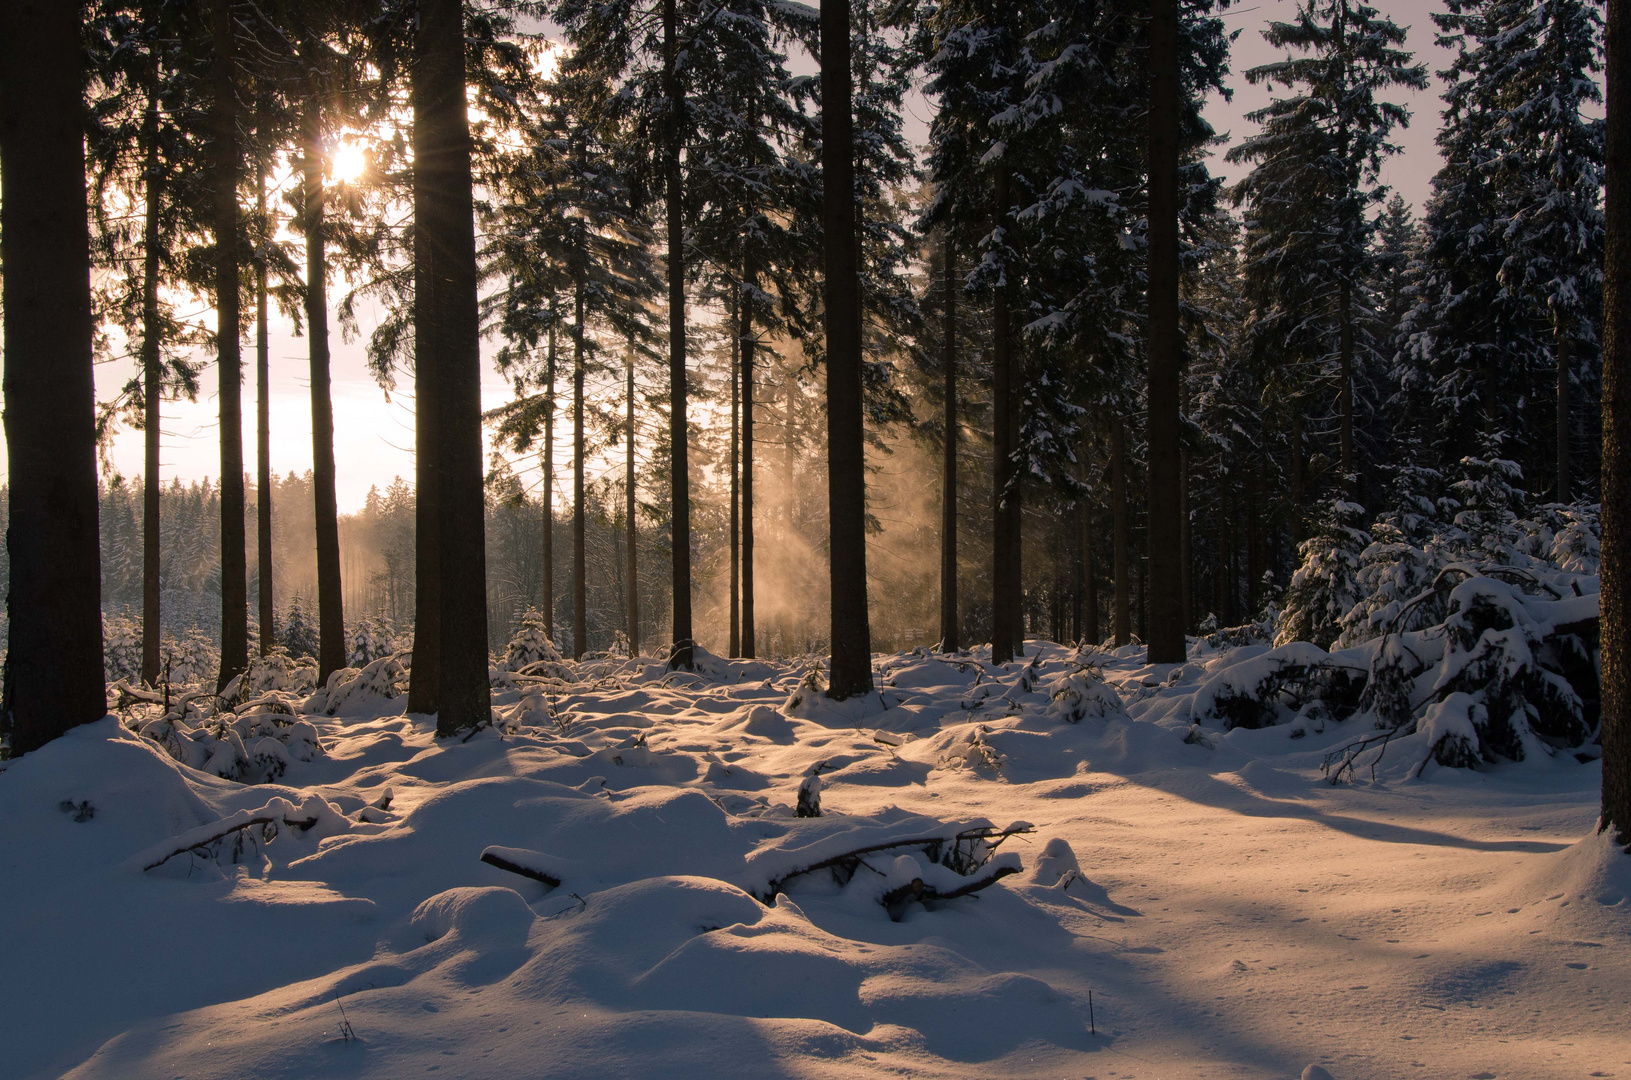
1229 911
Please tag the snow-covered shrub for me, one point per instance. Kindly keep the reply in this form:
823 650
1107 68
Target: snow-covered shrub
1233 637
1084 695
298 634
1564 537
278 672
531 650
1492 680
1451 729
1495 651
807 693
1489 502
254 747
351 689
1325 586
370 638
122 648
190 661
1263 690
1392 571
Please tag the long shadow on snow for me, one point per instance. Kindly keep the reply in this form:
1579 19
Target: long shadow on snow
1210 790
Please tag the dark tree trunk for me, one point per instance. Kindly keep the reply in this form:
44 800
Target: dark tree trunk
1254 536
950 630
735 642
425 681
580 587
1186 548
1090 627
1563 478
750 275
330 596
152 393
53 672
263 426
451 355
1345 393
846 464
1616 473
234 587
1121 626
631 512
1004 488
549 488
678 430
1165 479
1296 474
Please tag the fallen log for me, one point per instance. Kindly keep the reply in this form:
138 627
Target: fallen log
849 861
896 900
517 861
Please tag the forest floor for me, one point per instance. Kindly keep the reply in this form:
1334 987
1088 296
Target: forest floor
1232 913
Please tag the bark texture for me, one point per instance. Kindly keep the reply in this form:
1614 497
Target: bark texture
846 466
330 595
950 624
53 673
450 355
1616 475
678 430
229 358
1164 521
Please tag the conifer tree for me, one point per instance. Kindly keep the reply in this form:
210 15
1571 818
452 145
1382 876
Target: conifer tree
145 136
1314 177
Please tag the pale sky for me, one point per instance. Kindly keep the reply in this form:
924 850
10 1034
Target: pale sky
374 437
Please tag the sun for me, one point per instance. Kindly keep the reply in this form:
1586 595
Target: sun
348 162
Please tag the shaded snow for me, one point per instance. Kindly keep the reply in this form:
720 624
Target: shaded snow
1232 914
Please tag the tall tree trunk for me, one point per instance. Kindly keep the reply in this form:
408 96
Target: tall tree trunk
846 463
53 670
1004 506
1186 541
580 587
1121 626
751 276
152 392
549 488
1254 536
1297 531
631 513
1563 479
451 354
678 430
229 361
330 596
950 628
735 319
1616 471
263 424
1090 627
1165 477
1345 344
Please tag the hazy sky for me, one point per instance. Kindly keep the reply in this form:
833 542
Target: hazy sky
374 437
